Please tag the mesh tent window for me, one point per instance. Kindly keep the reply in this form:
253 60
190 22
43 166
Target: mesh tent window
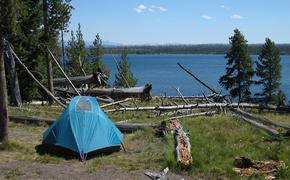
84 105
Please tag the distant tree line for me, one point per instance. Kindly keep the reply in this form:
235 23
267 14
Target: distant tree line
188 49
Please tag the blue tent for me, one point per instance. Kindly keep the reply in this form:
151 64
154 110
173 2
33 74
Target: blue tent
83 127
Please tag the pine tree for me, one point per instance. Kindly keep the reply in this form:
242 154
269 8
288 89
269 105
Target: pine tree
27 43
79 63
97 52
56 14
125 77
269 71
239 72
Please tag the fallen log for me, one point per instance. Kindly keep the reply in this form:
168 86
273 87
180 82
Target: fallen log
116 102
209 113
123 127
240 115
143 92
183 147
264 120
77 81
201 106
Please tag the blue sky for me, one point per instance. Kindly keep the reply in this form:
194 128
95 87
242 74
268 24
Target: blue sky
182 21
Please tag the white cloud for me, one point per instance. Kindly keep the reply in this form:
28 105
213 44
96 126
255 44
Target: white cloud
224 7
206 17
141 8
160 8
236 16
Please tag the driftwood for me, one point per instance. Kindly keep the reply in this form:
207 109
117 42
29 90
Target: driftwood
123 127
201 106
239 114
143 92
39 83
66 77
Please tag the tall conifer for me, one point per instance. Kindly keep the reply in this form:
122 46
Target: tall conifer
239 71
269 71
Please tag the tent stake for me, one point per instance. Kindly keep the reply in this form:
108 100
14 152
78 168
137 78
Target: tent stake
123 147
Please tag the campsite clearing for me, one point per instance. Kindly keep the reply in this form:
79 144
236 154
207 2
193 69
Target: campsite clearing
215 140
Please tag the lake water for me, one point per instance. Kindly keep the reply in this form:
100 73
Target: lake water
163 72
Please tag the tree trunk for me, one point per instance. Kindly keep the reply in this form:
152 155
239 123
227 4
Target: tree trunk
47 56
3 96
15 95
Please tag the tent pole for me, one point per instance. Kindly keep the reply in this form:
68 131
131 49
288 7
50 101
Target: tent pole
123 147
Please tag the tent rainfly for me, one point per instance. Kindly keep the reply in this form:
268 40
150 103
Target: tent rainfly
83 128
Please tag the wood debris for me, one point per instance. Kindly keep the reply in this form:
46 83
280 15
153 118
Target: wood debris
247 167
158 176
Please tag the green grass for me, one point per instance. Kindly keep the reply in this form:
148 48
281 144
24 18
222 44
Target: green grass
274 116
143 151
217 140
43 111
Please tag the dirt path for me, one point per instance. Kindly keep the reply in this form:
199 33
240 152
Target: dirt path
28 170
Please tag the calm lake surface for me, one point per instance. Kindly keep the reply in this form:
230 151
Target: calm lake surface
163 72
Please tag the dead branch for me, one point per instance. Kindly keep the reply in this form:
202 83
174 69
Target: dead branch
67 78
179 93
34 78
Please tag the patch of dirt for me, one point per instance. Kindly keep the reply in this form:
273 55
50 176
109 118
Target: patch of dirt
28 170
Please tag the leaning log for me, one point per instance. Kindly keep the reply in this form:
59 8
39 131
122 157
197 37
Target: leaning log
62 71
263 120
237 113
51 95
123 127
